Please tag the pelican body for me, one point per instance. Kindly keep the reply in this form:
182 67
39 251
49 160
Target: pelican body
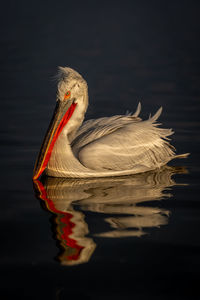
104 147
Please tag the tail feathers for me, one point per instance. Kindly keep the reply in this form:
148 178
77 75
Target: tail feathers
185 155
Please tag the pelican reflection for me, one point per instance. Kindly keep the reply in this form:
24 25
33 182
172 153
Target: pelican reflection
120 200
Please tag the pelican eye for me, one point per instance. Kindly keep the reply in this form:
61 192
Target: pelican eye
67 95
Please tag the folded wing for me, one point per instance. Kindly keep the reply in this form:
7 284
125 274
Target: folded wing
123 143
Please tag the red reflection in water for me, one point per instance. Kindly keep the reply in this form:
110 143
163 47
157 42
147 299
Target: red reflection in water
64 228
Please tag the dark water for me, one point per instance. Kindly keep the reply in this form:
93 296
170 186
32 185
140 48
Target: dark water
132 238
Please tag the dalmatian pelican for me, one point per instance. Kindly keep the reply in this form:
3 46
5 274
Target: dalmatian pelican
103 147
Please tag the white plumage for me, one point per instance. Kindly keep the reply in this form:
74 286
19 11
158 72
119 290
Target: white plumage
110 146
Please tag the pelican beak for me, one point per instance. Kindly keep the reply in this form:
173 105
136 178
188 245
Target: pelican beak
62 114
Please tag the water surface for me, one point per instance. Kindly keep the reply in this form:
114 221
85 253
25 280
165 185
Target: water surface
133 237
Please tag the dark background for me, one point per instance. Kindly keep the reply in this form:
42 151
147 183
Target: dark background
128 51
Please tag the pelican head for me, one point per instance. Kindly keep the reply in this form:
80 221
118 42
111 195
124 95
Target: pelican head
71 85
71 99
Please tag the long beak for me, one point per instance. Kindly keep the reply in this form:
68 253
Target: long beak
62 114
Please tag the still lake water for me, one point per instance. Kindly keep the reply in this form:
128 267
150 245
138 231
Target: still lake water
134 237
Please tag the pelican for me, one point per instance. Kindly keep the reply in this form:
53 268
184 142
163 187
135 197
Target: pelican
103 147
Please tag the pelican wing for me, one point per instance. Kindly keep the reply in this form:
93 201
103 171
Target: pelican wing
123 142
94 129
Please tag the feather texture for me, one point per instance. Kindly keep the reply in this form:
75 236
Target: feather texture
122 142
